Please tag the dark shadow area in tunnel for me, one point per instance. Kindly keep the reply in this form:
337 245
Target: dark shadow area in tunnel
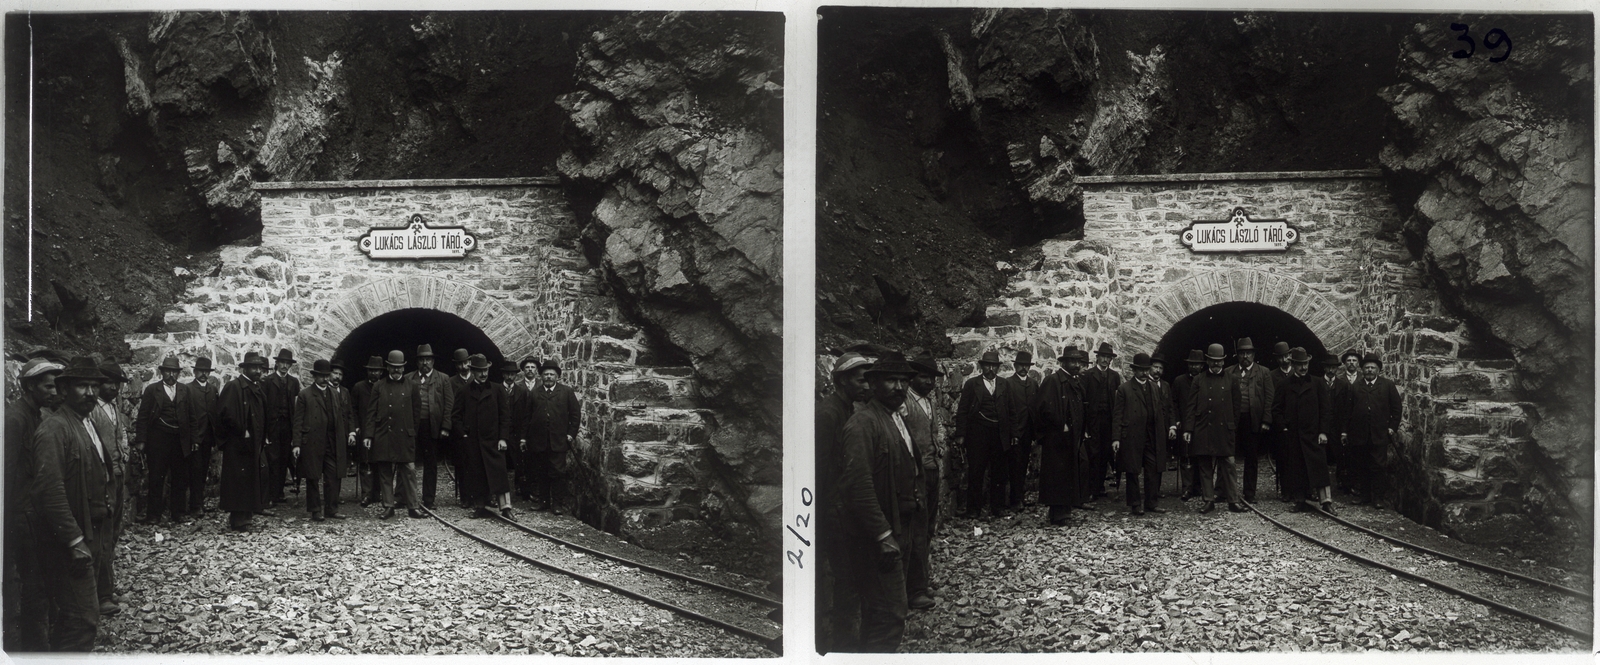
406 329
1227 322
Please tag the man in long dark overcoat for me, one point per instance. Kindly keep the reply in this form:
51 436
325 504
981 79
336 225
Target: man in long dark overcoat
554 420
390 434
280 388
521 399
1140 422
438 394
68 496
165 431
483 426
322 430
881 489
1024 390
1371 419
203 390
241 421
1303 414
1208 423
987 426
361 402
1062 452
835 630
1188 475
1099 393
1254 426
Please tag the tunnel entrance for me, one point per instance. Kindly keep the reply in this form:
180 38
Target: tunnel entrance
1226 322
405 329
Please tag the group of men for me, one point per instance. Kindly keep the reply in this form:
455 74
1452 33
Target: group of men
69 454
880 453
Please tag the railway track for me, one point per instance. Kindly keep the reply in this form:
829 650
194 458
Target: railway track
736 611
1444 586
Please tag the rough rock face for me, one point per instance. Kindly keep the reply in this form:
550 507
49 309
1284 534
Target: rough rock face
1494 163
680 152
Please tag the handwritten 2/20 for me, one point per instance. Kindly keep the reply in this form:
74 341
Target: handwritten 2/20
1493 39
797 557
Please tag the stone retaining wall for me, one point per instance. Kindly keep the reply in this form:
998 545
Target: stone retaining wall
642 450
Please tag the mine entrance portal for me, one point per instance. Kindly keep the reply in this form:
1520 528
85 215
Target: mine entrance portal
405 329
1225 323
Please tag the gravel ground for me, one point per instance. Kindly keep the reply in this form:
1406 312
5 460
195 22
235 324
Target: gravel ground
365 585
1183 581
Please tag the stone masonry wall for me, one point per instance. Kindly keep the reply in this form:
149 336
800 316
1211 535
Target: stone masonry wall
642 452
1465 461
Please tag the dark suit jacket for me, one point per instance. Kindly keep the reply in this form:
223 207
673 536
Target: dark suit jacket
241 409
322 427
553 416
153 401
1255 385
439 396
279 393
70 486
881 482
483 414
1211 414
1059 424
966 409
391 422
205 407
1024 393
1140 416
1099 391
1371 411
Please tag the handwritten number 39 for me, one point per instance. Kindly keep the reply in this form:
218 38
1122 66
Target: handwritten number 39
1493 39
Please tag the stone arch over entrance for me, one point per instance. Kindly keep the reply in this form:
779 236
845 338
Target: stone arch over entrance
1180 299
342 316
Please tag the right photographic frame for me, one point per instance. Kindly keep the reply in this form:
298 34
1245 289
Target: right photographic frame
1203 331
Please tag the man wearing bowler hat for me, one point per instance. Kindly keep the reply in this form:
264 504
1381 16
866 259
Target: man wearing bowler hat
69 498
1140 426
438 395
483 428
554 420
1024 388
1210 418
280 388
1188 473
1371 420
1099 393
390 434
361 400
111 426
1349 372
1281 371
987 427
510 377
1255 412
165 431
322 433
204 391
1303 414
240 424
1337 391
1059 417
882 489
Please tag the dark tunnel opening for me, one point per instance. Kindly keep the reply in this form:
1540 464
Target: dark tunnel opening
406 329
1227 322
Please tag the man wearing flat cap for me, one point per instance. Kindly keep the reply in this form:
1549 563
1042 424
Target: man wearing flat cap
111 426
1062 455
1024 388
1254 427
554 419
835 630
26 609
987 427
280 388
241 421
438 394
1371 420
68 494
204 391
882 489
390 434
1099 393
165 431
323 430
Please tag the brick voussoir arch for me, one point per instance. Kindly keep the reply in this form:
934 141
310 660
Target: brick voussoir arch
1166 308
362 304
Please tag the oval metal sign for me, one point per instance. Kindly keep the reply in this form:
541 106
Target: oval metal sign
1240 234
417 240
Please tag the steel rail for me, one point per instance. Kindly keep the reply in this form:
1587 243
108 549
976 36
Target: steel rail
764 600
771 643
1549 623
1451 557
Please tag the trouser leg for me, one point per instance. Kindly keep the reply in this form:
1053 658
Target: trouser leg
74 603
195 470
846 619
162 451
104 552
1131 491
1017 471
883 603
915 553
539 476
408 480
1152 479
1205 469
313 495
28 626
386 479
978 462
178 481
331 484
428 449
1230 480
1248 448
